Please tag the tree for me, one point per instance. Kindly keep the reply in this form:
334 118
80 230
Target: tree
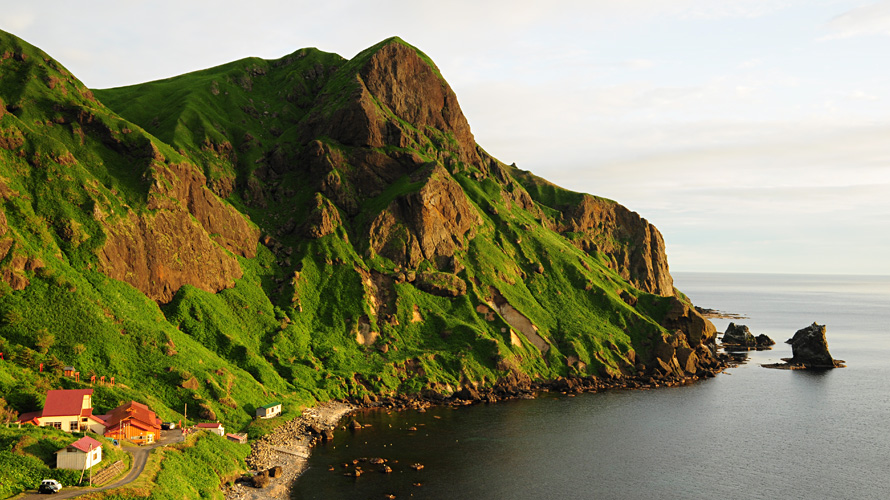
7 414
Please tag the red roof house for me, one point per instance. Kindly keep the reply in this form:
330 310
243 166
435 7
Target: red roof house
214 427
81 454
237 438
67 409
133 421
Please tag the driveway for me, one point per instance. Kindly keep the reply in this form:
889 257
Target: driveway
140 458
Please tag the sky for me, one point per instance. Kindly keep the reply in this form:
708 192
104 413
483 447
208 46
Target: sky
755 134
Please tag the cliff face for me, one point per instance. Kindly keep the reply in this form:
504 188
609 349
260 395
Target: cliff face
429 224
365 243
187 237
635 248
157 236
411 88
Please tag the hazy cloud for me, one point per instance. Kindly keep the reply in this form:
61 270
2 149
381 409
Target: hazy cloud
868 20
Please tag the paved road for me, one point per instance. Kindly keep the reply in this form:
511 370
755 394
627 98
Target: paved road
140 458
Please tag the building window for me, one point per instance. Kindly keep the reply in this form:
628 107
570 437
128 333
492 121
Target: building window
73 426
56 425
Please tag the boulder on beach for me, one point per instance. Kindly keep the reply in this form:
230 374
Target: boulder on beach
261 480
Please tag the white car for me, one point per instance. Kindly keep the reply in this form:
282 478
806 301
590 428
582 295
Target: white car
49 486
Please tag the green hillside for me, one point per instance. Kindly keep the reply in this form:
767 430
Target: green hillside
303 229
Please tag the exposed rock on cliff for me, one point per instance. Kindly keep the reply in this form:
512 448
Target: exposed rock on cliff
635 247
691 348
430 223
400 79
186 238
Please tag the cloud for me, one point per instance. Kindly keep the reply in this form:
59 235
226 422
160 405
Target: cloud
860 95
868 20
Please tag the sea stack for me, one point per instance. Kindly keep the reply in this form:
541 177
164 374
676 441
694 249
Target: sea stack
809 348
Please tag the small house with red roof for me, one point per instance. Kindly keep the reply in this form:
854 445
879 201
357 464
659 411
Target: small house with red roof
134 422
70 410
81 454
215 427
240 438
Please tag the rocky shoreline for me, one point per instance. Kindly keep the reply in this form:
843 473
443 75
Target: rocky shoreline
279 458
717 314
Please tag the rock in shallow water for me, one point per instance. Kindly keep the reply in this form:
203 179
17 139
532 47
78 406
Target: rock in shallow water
810 347
739 335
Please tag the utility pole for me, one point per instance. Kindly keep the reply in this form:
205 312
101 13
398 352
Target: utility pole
90 452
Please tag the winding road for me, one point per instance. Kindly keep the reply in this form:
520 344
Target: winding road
140 458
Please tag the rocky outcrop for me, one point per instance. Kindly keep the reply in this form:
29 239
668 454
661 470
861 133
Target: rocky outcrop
690 349
399 78
159 253
809 348
186 238
739 335
635 247
394 79
441 284
323 219
430 223
764 341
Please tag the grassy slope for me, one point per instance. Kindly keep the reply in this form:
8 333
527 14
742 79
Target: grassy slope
286 331
28 455
58 178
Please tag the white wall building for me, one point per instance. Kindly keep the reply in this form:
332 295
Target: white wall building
81 454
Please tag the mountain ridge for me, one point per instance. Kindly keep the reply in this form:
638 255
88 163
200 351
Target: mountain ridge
304 229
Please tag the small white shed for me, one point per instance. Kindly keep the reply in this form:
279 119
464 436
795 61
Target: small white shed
269 411
216 428
81 454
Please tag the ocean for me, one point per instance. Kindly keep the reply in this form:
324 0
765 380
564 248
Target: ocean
751 432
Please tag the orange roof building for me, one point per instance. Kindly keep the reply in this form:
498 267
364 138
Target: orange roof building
134 422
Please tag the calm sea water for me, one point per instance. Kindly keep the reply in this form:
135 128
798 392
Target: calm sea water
749 433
